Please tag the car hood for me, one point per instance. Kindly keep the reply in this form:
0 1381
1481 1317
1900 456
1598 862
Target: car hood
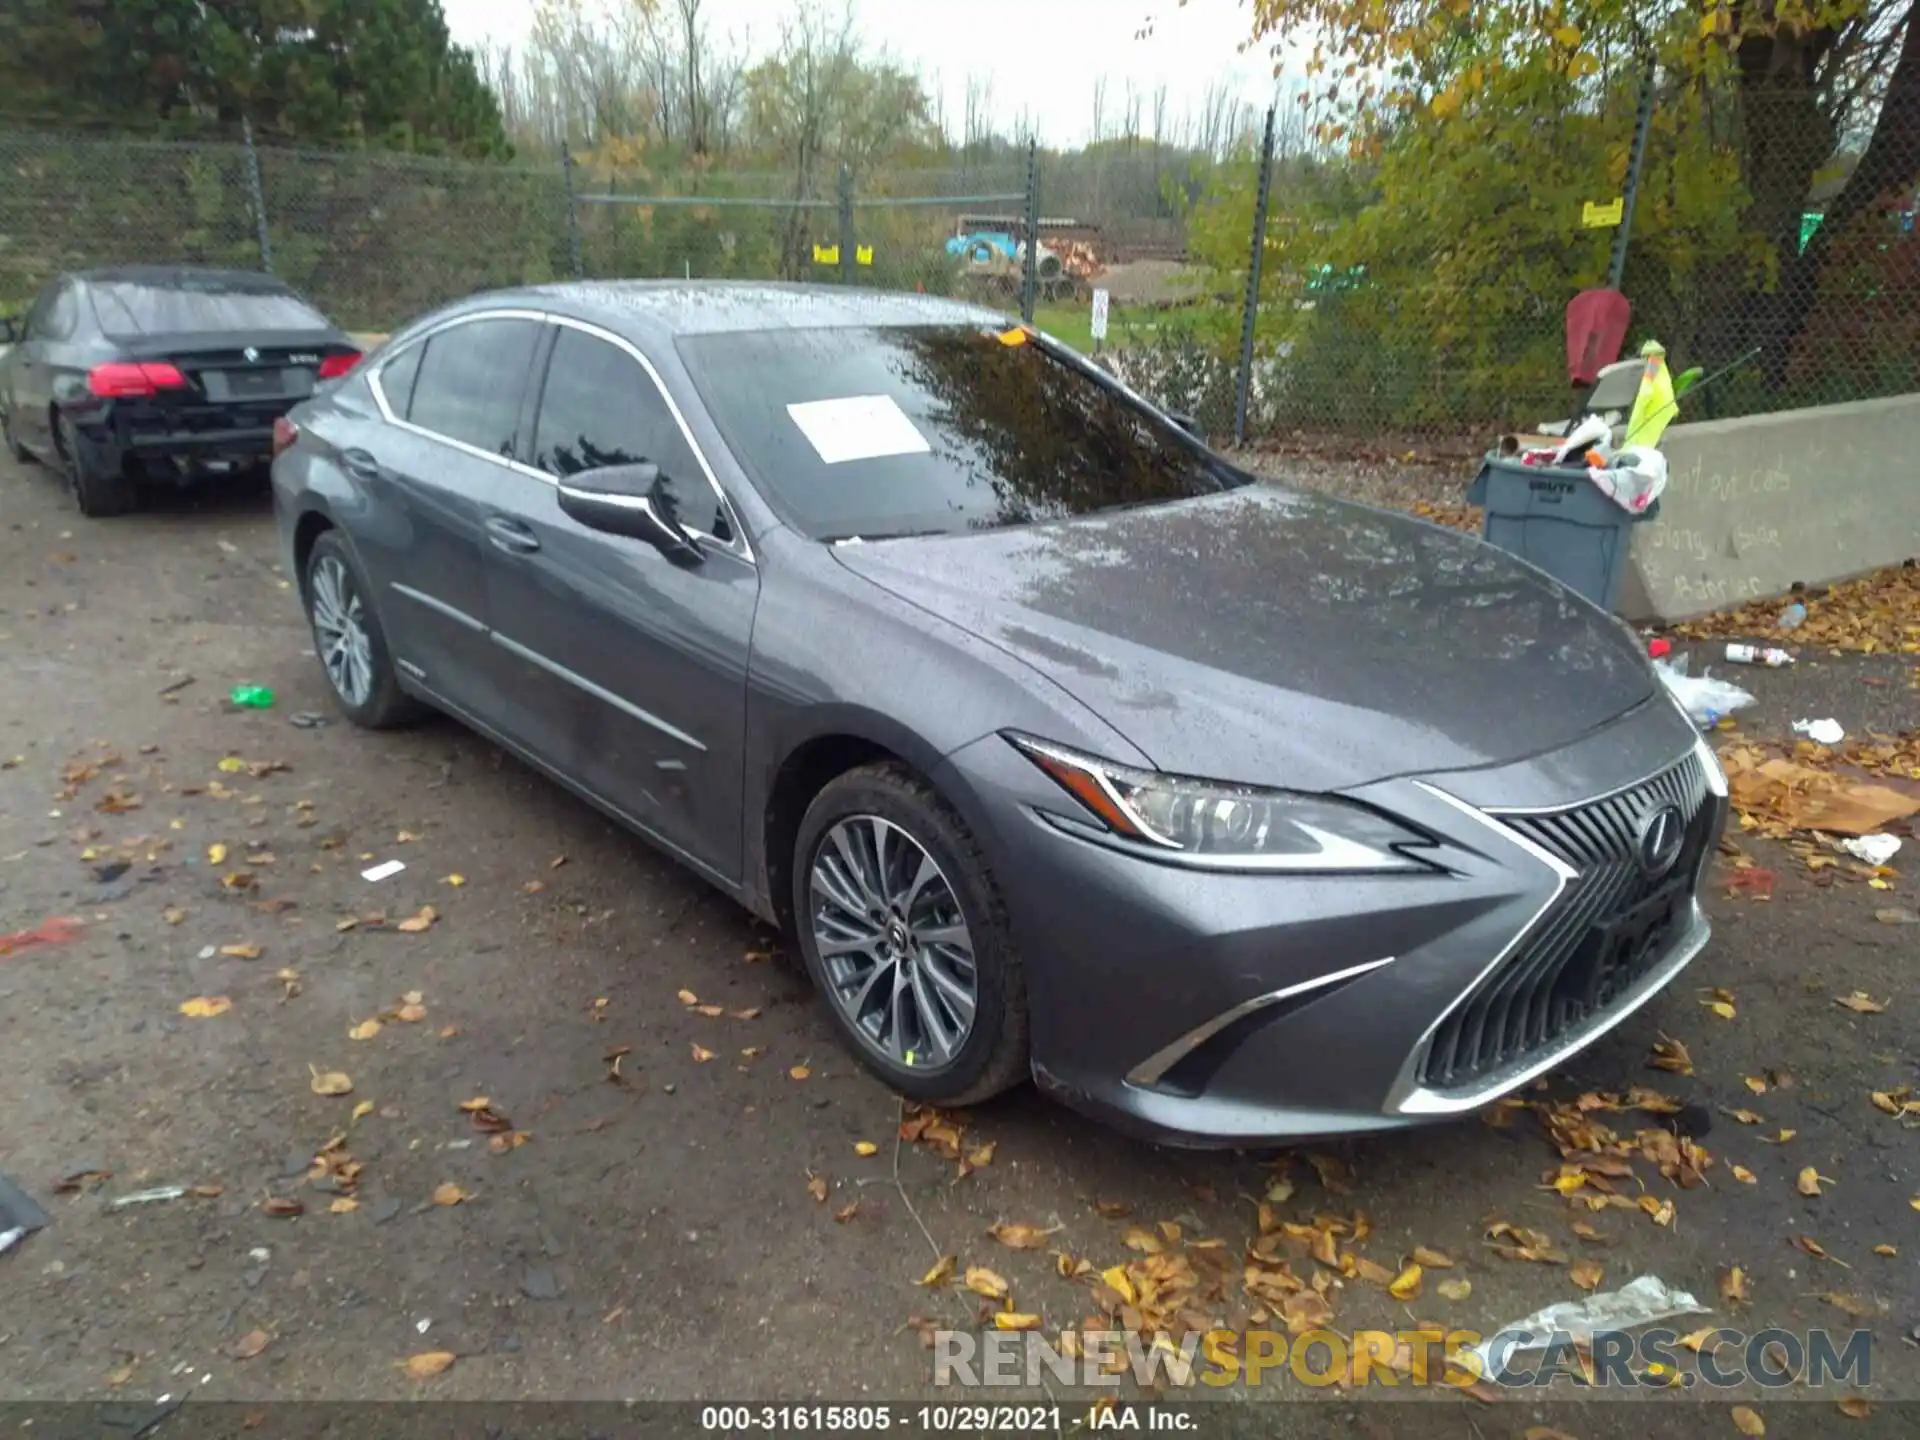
1273 637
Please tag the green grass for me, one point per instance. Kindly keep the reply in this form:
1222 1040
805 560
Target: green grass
1072 324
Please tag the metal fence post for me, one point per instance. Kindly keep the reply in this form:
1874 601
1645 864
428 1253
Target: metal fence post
1030 273
1642 122
257 196
1243 382
846 225
573 214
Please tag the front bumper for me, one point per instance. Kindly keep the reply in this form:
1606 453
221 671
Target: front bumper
1240 1009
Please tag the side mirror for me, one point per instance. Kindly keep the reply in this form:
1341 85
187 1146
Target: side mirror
629 500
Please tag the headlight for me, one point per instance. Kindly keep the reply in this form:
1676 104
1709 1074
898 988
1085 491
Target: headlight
1228 827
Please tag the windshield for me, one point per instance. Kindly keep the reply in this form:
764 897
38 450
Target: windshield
197 305
883 432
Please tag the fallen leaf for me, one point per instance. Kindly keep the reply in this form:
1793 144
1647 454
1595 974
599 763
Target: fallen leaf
125 1373
712 1012
423 920
556 862
1814 1248
1746 1422
1019 1237
701 1054
360 1112
865 1147
1406 1285
1544 1432
205 1007
1586 1274
847 1212
511 1140
1862 1003
1720 1007
1010 1320
1733 1286
476 1105
1886 1250
329 1082
1854 1408
1782 1138
1855 1305
753 1052
426 1366
1810 1181
1455 1289
343 1205
250 1345
282 1206
799 1072
688 998
405 837
365 1030
983 1155
1754 1083
1742 1174
173 914
817 1187
1119 1209
216 854
1432 1259
750 1013
454 880
1745 1117
346 923
411 1013
1659 1210
534 887
941 1273
1672 1056
213 1191
983 1281
449 1194
1141 1239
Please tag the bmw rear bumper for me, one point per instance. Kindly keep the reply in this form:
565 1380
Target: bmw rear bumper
1240 1009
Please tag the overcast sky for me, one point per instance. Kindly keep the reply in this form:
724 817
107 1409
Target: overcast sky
1043 55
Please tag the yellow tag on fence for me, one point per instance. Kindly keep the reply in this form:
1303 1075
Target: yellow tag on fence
1600 217
826 254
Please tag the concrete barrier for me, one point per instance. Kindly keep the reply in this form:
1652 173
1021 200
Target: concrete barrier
1755 504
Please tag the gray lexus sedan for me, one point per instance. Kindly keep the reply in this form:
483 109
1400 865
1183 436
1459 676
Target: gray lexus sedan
1229 813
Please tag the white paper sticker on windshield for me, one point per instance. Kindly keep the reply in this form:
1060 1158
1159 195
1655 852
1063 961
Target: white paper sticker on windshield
860 427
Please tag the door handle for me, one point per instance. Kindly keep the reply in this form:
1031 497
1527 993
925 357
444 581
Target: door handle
511 536
361 465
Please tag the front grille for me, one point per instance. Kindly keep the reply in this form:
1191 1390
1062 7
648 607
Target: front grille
1576 961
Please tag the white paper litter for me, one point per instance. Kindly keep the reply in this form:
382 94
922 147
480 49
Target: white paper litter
1588 433
383 870
1874 849
860 427
1825 732
11 1238
1639 1302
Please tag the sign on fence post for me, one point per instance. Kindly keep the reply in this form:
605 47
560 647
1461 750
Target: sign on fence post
1099 318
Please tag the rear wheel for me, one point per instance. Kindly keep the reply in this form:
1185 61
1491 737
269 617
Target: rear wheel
98 492
904 932
349 641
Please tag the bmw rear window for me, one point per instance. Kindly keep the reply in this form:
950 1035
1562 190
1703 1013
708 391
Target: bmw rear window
197 305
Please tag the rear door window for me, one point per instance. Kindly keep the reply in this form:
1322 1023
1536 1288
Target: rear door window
600 408
198 305
471 381
396 379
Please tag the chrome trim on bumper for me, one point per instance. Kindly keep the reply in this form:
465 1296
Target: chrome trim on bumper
1150 1071
1420 1101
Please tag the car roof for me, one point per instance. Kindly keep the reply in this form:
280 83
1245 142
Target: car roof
670 309
198 277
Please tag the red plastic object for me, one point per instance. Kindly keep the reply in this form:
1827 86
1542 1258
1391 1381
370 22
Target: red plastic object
1659 647
57 931
1596 329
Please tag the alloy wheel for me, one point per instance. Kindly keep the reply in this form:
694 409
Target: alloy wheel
340 631
893 943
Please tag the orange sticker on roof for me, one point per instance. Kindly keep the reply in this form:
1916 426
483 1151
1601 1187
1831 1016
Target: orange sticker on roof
1015 336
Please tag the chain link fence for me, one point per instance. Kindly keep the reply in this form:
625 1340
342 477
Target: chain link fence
376 238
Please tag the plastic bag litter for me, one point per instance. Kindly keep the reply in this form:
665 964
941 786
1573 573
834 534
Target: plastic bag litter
1874 849
1703 698
1639 1302
1633 479
1823 732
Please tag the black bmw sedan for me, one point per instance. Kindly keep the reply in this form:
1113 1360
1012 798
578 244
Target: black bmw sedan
151 374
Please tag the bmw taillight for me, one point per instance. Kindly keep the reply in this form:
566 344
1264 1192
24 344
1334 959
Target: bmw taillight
285 432
332 367
127 380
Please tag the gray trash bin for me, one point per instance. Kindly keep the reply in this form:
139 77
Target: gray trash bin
1558 519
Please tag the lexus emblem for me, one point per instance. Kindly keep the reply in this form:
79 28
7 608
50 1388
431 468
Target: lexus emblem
253 355
1663 833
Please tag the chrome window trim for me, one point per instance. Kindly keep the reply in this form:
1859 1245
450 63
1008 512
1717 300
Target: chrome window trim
739 546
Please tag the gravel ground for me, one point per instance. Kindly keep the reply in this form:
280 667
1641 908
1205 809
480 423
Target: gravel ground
656 1237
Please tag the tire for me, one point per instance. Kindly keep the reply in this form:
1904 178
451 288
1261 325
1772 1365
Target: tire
364 683
98 492
15 450
841 828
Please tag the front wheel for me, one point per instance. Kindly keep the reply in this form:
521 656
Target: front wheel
904 932
350 642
